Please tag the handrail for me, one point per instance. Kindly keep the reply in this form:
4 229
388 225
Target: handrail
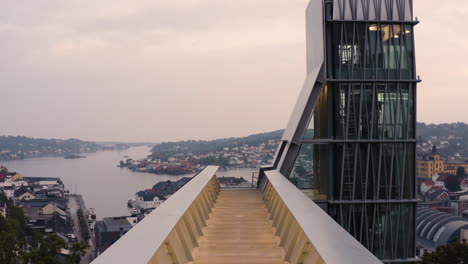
252 183
171 231
306 232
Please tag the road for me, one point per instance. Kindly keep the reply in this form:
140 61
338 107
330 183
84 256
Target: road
76 202
73 205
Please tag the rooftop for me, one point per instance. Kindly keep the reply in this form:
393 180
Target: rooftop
435 228
116 221
149 195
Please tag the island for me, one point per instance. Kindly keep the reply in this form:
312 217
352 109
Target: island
73 156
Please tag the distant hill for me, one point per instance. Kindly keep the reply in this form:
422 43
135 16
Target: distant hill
18 147
451 139
202 146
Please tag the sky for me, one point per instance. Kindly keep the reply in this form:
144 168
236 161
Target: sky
166 70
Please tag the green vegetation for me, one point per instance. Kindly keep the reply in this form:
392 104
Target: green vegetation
44 249
76 252
166 149
13 247
24 147
84 225
237 181
453 253
455 133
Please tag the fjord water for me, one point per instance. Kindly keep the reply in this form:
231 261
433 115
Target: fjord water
104 186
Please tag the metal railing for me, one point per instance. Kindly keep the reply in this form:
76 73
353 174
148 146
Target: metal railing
170 233
254 181
306 232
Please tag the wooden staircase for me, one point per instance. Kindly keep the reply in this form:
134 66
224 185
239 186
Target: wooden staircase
239 230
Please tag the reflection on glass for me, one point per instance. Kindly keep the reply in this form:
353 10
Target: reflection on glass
374 111
379 227
373 171
371 51
310 171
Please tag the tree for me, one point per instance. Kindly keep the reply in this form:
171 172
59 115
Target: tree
4 224
461 173
17 224
76 252
452 183
7 248
84 225
453 253
45 250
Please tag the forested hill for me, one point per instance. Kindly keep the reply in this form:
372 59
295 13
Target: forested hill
459 129
202 146
451 139
18 147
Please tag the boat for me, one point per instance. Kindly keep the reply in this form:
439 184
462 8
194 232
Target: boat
73 156
133 207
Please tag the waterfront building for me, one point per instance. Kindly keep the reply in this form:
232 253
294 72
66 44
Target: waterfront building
149 199
350 142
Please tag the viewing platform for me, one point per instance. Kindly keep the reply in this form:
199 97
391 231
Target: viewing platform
202 223
239 231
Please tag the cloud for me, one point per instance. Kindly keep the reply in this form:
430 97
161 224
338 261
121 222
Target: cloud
167 70
173 69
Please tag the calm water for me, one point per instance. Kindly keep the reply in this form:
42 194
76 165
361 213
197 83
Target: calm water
104 186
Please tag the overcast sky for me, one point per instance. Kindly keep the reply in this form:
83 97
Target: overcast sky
158 70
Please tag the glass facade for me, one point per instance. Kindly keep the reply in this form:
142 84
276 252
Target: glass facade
373 171
383 228
311 170
370 50
357 153
374 110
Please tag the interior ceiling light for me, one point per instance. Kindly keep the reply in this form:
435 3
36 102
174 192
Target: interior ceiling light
373 27
396 36
407 31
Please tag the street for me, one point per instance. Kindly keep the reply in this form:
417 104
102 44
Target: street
75 202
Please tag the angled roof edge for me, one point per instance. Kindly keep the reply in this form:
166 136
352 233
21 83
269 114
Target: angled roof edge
301 104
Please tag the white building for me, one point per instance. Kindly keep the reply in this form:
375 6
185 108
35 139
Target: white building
148 199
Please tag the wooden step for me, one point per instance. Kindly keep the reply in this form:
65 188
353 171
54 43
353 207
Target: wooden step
239 230
238 260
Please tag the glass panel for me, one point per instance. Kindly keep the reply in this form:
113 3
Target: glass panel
374 110
310 170
374 171
382 228
371 51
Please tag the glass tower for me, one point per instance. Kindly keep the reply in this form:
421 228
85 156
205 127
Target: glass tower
350 142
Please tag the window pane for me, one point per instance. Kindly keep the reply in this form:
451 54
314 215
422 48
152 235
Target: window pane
374 110
370 51
311 169
382 228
